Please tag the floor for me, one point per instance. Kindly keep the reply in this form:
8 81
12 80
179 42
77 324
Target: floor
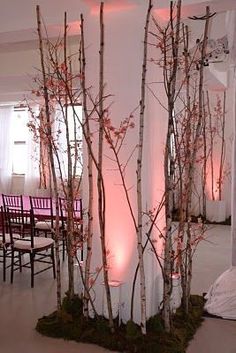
21 306
213 257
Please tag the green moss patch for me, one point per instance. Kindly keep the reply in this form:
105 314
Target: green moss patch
70 324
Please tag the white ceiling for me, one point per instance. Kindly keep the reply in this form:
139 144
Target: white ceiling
18 17
199 5
18 24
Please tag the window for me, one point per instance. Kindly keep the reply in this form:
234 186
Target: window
20 133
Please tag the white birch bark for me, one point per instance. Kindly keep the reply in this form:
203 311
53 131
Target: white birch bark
169 164
139 177
100 181
89 243
70 192
190 172
49 136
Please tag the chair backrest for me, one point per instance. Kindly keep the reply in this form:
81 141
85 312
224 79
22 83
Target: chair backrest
3 225
41 203
16 222
12 201
77 209
42 206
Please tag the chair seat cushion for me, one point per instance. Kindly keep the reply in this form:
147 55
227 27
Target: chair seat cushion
46 225
39 243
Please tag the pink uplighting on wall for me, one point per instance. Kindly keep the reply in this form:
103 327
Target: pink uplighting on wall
74 28
186 11
121 247
209 181
112 6
162 14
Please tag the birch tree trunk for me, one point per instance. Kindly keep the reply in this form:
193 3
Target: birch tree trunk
139 177
191 168
50 149
222 150
44 167
169 163
69 192
90 173
187 152
100 181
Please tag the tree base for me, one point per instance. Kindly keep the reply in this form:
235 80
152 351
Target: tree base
70 324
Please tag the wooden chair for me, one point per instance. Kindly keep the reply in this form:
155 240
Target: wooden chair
39 249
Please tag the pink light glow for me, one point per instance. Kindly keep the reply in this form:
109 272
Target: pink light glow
162 14
112 6
74 27
121 246
188 10
175 275
216 165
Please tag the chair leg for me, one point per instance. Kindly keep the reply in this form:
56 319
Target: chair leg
53 262
32 269
20 262
12 264
4 263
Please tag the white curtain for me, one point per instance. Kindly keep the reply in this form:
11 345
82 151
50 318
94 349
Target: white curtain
6 148
59 133
61 141
230 25
32 171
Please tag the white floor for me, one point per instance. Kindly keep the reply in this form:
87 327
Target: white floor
21 306
212 258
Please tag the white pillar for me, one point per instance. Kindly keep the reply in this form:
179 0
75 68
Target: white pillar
124 32
233 180
221 295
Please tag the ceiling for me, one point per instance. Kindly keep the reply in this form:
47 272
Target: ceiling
18 18
18 24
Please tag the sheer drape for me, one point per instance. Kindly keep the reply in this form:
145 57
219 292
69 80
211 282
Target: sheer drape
75 138
75 141
6 148
32 171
